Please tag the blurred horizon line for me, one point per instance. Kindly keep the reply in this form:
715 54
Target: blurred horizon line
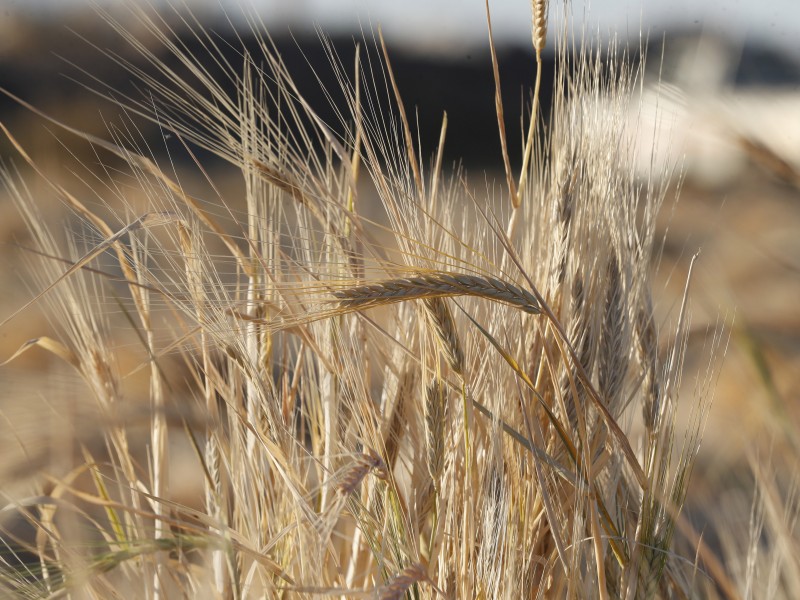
419 24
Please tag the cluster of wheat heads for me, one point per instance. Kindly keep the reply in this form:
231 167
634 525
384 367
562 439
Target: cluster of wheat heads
468 401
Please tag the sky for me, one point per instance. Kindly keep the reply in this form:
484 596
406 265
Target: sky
443 24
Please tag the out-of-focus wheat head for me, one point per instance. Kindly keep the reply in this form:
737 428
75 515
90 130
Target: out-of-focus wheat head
427 406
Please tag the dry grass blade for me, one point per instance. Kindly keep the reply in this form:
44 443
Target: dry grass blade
437 166
49 344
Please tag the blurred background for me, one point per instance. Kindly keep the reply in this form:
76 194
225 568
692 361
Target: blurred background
725 77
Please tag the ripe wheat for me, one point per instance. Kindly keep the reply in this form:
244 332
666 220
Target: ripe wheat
331 447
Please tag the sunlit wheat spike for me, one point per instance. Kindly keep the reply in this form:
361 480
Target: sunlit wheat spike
436 285
397 419
539 24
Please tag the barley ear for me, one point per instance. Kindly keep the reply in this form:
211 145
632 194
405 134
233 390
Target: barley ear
613 359
647 356
402 582
437 284
444 326
368 462
435 412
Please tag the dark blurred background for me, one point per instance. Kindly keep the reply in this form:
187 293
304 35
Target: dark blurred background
439 52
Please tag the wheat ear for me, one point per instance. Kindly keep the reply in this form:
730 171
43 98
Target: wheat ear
368 462
445 329
401 582
647 355
613 358
435 411
435 423
539 24
436 285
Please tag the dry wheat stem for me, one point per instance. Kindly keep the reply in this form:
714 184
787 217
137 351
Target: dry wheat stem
498 104
539 31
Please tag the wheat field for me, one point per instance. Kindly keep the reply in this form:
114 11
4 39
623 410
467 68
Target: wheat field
337 366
